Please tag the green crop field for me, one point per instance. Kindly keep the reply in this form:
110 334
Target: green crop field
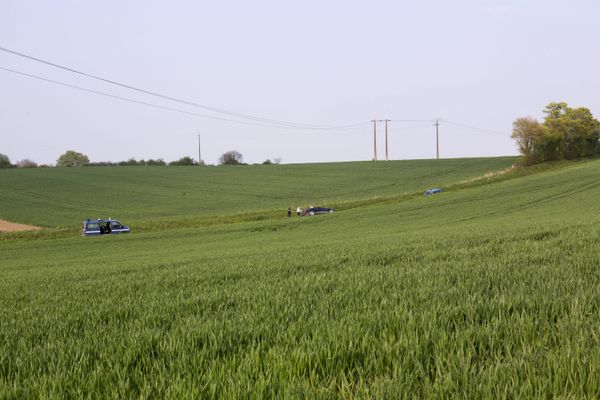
66 196
488 290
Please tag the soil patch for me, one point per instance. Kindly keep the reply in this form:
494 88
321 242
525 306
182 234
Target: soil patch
7 226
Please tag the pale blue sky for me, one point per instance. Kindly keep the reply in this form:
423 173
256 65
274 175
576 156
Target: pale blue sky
481 63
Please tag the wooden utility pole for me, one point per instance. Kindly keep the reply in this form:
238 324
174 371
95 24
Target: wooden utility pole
374 139
199 153
386 140
437 139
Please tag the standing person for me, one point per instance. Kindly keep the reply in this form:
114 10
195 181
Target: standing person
299 211
289 212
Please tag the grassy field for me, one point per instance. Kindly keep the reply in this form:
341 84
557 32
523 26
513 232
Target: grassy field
484 291
137 195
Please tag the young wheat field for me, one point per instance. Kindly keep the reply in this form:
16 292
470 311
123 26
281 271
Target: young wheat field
490 289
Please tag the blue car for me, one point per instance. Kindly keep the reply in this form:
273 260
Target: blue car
103 227
429 192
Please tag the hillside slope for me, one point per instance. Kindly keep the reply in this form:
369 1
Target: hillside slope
66 196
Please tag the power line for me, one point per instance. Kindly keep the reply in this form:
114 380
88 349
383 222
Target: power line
474 127
150 104
450 123
257 121
411 120
282 123
413 126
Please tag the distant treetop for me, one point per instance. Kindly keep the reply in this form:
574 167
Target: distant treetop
72 159
4 161
231 157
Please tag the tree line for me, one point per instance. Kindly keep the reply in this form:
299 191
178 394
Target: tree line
73 158
565 133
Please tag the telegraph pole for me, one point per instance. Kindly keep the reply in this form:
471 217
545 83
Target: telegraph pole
437 139
199 153
374 139
386 140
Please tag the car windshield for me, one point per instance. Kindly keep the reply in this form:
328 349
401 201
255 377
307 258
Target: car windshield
115 224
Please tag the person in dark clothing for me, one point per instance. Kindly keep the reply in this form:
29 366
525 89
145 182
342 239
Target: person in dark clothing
289 211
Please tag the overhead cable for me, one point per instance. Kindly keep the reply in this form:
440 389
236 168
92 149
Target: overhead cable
151 104
474 127
182 101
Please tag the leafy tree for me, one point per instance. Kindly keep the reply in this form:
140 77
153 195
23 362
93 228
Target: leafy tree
184 161
577 128
231 157
26 163
267 162
5 161
565 133
72 159
550 145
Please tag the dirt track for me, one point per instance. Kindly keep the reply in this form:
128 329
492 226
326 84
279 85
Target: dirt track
6 226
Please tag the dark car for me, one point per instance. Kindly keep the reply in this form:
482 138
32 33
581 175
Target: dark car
429 192
103 227
318 210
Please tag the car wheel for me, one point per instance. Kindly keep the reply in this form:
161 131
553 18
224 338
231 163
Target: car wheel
312 213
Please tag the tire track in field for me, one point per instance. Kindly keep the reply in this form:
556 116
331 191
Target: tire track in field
569 192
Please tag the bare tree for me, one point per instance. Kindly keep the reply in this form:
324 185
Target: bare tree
26 163
528 133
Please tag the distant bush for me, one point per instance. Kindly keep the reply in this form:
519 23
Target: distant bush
160 162
5 161
184 161
129 163
275 161
102 164
26 163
